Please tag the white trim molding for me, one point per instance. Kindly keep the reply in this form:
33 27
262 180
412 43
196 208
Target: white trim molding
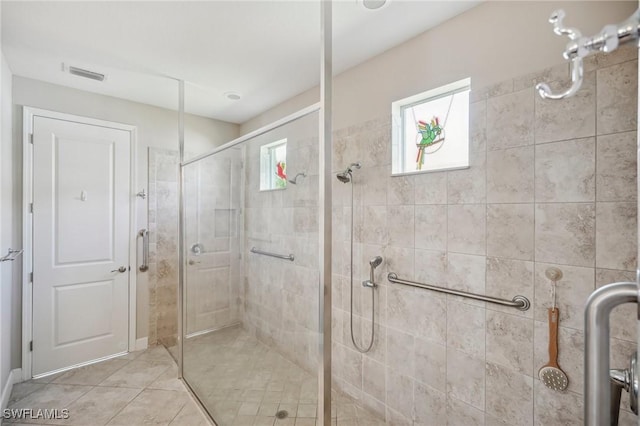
142 344
27 198
15 376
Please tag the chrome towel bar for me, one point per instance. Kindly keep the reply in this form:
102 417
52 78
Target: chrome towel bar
279 256
11 255
518 302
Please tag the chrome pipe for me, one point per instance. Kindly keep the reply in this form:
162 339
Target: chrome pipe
597 390
258 132
145 250
279 256
518 302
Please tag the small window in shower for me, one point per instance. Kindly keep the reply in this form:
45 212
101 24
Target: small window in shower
431 130
273 165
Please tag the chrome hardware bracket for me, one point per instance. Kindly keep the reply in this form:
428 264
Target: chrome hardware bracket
11 255
579 47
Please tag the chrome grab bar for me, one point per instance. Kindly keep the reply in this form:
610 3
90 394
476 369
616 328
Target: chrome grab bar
145 250
597 390
279 256
11 255
518 302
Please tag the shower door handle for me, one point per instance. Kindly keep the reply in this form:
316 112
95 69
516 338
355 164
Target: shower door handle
597 391
145 250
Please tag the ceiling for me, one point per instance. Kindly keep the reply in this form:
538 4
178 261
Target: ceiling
268 51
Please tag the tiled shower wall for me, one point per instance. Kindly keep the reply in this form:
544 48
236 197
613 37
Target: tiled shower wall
212 288
550 183
163 246
281 297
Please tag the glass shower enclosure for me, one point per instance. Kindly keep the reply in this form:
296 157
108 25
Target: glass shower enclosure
251 274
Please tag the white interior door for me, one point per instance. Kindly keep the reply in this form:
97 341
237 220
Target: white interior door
211 287
81 197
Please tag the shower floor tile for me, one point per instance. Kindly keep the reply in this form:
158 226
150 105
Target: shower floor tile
139 388
242 381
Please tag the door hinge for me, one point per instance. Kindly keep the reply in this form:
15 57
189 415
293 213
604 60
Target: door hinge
31 138
30 277
31 346
30 207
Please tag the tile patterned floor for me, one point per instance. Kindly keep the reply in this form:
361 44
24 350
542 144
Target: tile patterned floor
140 388
244 382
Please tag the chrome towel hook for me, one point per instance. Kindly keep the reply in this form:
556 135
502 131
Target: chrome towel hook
579 47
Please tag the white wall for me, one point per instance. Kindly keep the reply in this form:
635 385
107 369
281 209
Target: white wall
492 42
156 127
9 233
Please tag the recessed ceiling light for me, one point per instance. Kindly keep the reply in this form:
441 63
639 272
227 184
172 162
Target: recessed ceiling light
233 96
373 4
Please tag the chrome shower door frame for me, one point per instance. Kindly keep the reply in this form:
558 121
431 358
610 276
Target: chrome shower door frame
324 204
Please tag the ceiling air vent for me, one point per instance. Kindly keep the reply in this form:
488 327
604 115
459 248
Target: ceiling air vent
86 73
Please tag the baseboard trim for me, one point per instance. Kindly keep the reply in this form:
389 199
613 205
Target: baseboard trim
142 344
15 376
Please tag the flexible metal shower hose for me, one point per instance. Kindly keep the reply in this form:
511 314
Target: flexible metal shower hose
373 306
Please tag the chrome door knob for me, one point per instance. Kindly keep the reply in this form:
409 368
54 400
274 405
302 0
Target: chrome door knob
120 269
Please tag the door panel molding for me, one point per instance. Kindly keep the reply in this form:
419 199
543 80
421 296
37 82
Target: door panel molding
28 115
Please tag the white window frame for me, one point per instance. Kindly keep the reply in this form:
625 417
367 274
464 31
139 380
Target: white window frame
398 108
267 162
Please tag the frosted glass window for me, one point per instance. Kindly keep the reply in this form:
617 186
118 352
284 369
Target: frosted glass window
273 165
431 130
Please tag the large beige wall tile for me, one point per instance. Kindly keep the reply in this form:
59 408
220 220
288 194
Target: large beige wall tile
468 186
478 126
553 407
509 395
510 175
467 229
616 171
510 231
565 233
431 227
400 190
431 267
616 236
465 328
430 363
565 171
466 378
510 341
510 120
572 292
430 405
507 278
431 188
401 224
460 413
617 98
569 118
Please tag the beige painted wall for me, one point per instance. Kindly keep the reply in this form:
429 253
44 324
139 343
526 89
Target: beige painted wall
156 127
492 42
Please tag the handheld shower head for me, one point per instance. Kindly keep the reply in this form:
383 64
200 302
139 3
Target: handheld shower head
375 262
